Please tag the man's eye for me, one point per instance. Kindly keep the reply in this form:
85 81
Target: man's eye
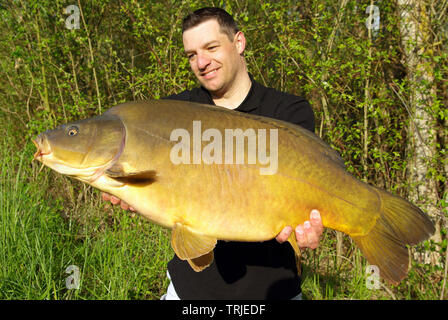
190 56
212 48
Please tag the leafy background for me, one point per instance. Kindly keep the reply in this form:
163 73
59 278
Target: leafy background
356 79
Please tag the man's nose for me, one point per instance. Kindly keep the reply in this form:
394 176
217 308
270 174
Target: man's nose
203 61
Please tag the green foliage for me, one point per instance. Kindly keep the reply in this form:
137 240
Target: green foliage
124 50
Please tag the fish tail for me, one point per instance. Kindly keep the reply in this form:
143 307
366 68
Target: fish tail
400 224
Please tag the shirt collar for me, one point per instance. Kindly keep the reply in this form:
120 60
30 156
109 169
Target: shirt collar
249 103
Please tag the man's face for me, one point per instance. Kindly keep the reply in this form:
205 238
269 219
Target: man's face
214 59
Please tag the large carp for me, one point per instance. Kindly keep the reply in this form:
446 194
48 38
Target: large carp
148 154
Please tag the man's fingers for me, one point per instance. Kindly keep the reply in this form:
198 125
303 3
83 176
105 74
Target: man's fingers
311 235
109 197
114 200
284 234
124 205
301 237
316 223
306 236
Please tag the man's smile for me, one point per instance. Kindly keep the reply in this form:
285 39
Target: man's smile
209 74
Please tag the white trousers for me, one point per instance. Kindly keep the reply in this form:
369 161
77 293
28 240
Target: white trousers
170 292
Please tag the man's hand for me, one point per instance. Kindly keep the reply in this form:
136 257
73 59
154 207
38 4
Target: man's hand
308 234
115 200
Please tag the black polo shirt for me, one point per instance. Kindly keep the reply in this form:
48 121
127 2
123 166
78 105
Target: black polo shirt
246 270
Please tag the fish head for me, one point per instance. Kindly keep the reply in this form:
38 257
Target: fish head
83 149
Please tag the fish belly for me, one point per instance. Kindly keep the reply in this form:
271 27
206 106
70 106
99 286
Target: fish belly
230 210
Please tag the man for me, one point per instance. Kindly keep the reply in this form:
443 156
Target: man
241 270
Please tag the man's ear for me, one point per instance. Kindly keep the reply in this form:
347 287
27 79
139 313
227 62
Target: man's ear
240 42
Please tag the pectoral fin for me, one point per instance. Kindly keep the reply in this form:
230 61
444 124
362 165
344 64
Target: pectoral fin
118 172
190 245
293 241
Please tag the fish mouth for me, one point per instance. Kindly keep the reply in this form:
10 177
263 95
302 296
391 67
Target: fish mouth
42 145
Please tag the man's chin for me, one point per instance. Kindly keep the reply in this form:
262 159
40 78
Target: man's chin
214 89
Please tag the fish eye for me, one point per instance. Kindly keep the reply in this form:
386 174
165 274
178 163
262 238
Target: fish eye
72 131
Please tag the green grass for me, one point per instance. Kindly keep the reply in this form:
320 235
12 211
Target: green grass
49 222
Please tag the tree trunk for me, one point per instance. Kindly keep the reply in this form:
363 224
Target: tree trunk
416 39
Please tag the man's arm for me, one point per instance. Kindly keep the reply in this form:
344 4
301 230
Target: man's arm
296 110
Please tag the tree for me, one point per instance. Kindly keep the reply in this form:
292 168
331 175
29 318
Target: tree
417 41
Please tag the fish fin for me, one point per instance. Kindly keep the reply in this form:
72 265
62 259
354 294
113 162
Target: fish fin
117 172
400 224
190 245
202 262
293 241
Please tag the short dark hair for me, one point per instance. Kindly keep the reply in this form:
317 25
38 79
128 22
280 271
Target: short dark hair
224 19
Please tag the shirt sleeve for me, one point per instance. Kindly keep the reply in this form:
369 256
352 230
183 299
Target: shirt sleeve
297 111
